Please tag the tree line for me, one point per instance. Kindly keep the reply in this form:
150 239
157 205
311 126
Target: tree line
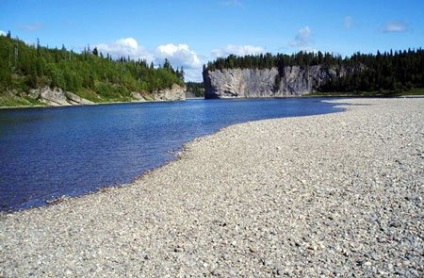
388 71
89 74
197 89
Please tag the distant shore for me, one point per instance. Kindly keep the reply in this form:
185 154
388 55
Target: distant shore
326 195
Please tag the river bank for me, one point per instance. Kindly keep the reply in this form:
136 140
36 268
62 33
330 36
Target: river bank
337 194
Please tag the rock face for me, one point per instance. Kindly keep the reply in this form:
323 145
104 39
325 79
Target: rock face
57 97
74 99
253 83
175 93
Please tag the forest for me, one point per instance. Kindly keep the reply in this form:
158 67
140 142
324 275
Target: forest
389 72
90 74
197 89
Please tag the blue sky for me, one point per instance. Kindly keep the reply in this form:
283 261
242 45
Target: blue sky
192 32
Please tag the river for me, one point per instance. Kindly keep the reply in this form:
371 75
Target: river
46 153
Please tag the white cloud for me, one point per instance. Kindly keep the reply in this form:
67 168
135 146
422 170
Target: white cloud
348 22
239 50
128 42
394 27
2 33
125 47
303 38
179 55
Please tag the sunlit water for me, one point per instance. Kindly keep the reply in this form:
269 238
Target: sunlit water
49 152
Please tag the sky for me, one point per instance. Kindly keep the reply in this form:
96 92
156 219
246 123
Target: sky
189 33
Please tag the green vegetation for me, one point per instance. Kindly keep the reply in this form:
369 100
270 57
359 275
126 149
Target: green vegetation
268 60
197 89
414 92
383 74
90 74
12 100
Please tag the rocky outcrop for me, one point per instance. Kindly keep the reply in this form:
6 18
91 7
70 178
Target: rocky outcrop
138 97
57 97
256 83
74 99
176 92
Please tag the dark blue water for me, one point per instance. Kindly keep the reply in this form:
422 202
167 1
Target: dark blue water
49 152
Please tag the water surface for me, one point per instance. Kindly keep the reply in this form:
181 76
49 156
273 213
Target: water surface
49 152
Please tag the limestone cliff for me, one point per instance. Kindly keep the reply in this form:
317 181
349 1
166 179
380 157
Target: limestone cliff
256 83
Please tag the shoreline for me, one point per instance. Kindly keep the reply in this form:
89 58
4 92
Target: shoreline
341 96
338 193
88 105
51 199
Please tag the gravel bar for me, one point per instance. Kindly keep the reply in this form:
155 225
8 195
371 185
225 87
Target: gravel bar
331 195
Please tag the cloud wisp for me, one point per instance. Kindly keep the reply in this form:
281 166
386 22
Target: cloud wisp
303 38
233 3
394 27
348 22
31 27
238 50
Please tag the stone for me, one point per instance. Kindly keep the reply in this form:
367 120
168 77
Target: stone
57 97
54 97
77 100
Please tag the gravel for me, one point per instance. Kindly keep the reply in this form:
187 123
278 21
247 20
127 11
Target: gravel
329 195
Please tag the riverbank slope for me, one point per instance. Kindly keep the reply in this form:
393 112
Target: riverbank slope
47 97
337 194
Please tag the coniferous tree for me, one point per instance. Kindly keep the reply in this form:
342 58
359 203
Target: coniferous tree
95 51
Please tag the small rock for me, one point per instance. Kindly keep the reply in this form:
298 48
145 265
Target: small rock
367 263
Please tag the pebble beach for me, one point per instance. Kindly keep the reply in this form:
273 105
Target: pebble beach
333 195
